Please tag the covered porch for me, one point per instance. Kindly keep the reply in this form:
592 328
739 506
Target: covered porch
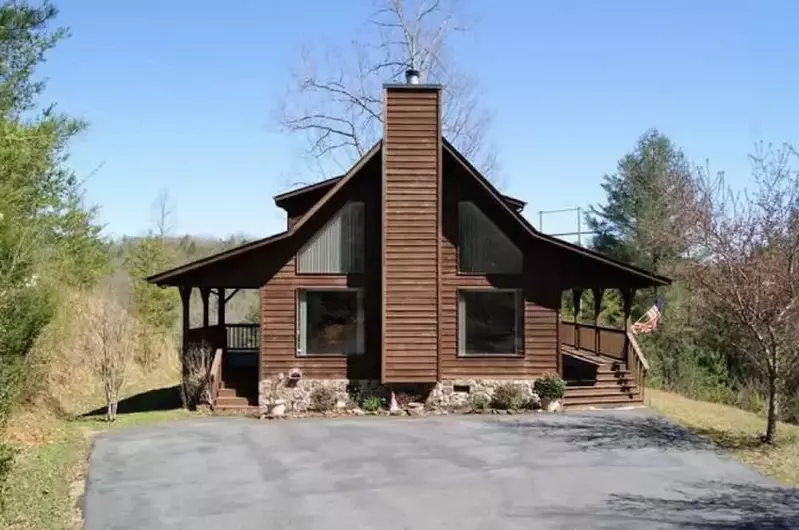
229 352
601 364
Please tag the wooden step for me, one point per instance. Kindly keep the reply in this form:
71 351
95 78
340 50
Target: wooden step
617 398
238 392
234 402
600 390
606 378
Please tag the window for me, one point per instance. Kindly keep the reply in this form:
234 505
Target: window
338 247
329 321
490 322
483 248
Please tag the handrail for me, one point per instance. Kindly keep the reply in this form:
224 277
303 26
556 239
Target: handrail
214 375
591 326
637 350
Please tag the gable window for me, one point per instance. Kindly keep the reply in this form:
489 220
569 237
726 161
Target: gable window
338 247
482 247
329 321
490 322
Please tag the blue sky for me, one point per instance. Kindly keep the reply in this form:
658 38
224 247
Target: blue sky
180 95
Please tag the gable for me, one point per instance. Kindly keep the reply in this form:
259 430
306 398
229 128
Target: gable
222 269
576 266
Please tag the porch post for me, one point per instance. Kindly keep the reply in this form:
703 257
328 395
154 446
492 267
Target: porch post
627 305
220 316
627 295
220 306
598 293
185 297
577 296
205 293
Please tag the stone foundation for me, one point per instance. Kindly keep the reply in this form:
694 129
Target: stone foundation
445 395
298 395
448 394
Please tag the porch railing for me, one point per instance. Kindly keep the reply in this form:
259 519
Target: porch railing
637 363
597 339
243 337
215 375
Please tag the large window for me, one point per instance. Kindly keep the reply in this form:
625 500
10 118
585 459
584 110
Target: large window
490 322
482 247
338 247
329 322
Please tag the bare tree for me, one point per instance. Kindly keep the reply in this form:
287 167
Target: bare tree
109 345
747 268
336 99
163 216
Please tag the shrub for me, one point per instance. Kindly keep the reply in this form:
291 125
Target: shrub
195 389
479 401
324 399
7 454
372 403
508 396
549 386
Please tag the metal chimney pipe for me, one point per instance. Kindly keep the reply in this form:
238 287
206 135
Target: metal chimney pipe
412 76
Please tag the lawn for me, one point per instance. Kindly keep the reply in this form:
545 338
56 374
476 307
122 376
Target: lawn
45 484
737 431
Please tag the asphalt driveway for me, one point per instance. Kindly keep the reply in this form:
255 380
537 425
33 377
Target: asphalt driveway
621 469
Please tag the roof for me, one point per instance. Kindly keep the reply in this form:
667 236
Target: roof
283 200
333 185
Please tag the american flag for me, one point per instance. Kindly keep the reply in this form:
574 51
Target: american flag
649 320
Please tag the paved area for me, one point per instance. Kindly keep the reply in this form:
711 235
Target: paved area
620 469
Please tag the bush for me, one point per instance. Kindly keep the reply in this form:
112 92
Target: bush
372 403
550 386
324 399
7 454
479 401
509 396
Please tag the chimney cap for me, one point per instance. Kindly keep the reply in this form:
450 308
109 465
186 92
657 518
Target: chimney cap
412 76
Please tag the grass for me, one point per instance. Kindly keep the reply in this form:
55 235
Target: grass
44 486
737 431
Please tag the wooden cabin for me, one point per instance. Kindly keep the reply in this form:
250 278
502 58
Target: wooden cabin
410 269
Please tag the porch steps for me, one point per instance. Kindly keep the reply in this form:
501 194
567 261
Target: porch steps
613 386
238 391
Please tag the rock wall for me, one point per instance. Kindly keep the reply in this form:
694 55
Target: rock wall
453 393
298 395
448 394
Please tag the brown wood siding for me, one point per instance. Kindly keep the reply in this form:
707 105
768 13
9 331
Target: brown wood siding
538 284
279 295
412 153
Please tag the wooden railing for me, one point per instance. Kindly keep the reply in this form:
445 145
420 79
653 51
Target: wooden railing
597 339
636 363
243 336
215 375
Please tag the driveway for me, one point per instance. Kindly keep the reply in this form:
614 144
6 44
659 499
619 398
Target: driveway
620 469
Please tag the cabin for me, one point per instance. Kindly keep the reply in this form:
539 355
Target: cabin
411 269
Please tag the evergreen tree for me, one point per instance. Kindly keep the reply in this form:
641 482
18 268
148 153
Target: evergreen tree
48 238
640 222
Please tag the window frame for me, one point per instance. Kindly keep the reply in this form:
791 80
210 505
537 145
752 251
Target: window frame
360 329
459 245
519 331
347 204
